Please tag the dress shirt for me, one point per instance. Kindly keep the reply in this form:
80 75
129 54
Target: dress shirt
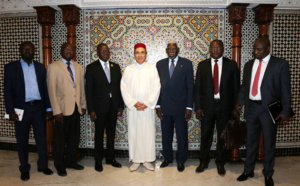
72 69
264 64
103 66
175 63
31 85
220 63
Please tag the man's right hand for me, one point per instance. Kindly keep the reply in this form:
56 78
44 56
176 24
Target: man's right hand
237 110
59 118
13 116
199 114
93 116
159 113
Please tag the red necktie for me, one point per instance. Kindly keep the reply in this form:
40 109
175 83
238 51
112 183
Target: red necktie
256 78
216 77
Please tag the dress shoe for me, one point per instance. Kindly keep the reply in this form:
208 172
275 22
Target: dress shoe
201 168
269 181
25 176
148 166
46 171
62 172
180 167
98 166
165 163
245 176
114 163
134 167
221 170
76 167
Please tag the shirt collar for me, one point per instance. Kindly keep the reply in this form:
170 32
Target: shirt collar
175 60
24 63
220 60
65 61
266 59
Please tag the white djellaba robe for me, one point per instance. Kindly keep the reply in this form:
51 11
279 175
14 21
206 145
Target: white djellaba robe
141 83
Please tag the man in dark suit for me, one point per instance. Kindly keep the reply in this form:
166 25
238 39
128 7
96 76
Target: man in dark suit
25 88
216 89
175 103
104 103
266 79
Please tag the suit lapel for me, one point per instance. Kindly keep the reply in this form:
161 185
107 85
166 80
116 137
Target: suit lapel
112 69
224 70
268 69
19 70
65 70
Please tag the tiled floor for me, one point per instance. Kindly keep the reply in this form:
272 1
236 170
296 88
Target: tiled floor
287 172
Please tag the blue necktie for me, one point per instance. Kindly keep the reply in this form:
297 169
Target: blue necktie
107 72
70 71
172 68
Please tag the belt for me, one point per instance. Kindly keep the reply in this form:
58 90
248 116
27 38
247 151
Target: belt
256 101
217 100
32 102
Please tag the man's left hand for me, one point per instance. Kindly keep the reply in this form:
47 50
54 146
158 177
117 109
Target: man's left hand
281 118
49 115
120 111
83 111
188 114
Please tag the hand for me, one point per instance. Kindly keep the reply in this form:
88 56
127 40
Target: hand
188 114
83 111
59 118
49 115
199 114
13 116
120 111
281 118
159 113
93 116
238 110
143 107
140 106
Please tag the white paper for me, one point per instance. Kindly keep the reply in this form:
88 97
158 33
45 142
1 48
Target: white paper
19 112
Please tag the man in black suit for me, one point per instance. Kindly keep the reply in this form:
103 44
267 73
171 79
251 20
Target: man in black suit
25 88
216 89
266 79
175 103
104 103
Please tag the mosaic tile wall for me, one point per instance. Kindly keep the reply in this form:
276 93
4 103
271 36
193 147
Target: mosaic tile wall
193 29
286 45
13 31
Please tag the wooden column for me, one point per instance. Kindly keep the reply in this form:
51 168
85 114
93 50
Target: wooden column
263 16
237 15
46 18
71 17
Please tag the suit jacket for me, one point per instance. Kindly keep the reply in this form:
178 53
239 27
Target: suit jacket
98 89
62 92
176 92
204 86
275 86
14 85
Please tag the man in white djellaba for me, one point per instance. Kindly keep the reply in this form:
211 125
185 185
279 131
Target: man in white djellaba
140 87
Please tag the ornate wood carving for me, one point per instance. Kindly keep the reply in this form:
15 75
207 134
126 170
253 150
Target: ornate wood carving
46 18
237 15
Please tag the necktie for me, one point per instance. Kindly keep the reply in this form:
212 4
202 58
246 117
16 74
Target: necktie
70 71
172 68
216 77
256 78
107 72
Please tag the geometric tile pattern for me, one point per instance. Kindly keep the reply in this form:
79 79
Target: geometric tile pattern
13 31
286 44
121 29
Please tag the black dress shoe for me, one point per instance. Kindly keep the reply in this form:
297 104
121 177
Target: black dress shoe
114 163
98 166
62 172
201 168
25 176
269 181
180 167
221 170
76 167
165 163
46 171
245 176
